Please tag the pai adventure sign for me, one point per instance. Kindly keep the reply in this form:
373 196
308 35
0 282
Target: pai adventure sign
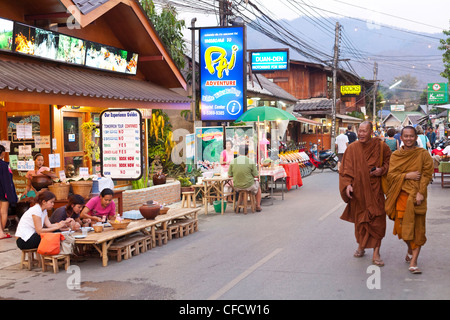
222 73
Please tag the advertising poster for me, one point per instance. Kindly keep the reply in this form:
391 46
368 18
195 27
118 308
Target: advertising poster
209 145
6 34
190 149
242 136
121 144
222 76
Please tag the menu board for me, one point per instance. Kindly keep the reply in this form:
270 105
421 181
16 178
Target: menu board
121 144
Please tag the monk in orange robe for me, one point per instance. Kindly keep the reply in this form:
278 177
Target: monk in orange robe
410 171
363 164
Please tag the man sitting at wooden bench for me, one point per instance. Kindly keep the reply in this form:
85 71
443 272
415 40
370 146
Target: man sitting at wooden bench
243 171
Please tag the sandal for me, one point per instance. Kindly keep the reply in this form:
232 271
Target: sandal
6 237
415 270
378 262
359 254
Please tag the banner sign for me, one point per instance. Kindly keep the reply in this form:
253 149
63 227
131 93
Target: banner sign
222 73
269 60
437 93
121 144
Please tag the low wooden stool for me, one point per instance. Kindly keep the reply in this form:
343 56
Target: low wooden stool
186 227
161 236
173 230
148 243
188 200
29 260
243 201
125 248
55 261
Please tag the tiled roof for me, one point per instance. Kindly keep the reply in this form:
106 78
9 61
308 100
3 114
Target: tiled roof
314 104
51 79
87 6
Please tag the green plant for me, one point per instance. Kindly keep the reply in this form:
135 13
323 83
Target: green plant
91 150
184 181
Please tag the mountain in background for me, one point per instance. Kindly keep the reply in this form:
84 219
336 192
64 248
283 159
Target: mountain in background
396 52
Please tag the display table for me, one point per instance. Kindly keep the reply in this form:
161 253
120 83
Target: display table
293 175
444 169
274 174
214 189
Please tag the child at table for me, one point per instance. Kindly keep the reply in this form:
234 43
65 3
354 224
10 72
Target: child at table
99 208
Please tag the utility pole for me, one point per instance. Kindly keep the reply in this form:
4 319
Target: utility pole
223 9
375 87
193 79
333 110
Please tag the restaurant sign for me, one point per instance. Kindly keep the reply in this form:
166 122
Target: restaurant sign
437 93
269 60
351 90
121 144
222 73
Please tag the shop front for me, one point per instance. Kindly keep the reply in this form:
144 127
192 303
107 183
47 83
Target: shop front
56 81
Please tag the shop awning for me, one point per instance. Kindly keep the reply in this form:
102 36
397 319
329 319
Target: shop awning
55 84
308 121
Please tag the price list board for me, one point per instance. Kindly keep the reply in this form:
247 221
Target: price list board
121 144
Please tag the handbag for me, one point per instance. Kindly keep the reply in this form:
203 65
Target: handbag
67 244
50 244
384 183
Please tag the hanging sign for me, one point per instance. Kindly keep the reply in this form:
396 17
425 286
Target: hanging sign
121 147
222 73
268 60
437 93
351 90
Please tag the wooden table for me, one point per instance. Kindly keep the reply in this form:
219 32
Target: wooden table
444 169
214 189
274 174
103 240
117 195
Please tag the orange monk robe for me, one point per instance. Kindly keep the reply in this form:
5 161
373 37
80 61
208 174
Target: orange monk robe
412 225
366 208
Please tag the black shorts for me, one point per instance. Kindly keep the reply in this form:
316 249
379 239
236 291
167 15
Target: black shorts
3 198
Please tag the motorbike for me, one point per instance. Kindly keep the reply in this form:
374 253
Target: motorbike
323 159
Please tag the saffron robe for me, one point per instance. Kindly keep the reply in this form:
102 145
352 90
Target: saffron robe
413 221
366 208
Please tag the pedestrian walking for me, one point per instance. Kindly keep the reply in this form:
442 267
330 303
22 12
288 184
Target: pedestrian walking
360 187
431 135
410 172
350 134
8 194
341 145
391 141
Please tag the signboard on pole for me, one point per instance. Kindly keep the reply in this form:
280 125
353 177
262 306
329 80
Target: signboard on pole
121 144
438 93
269 60
222 73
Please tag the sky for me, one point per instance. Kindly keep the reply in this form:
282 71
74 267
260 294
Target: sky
431 16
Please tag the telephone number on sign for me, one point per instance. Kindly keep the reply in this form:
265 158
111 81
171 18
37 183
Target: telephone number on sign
212 113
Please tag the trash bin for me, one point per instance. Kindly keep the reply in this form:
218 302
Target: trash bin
218 206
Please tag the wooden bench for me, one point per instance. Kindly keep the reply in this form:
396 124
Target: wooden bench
54 261
161 236
29 259
129 246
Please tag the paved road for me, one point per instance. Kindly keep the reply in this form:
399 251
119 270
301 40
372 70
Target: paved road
294 249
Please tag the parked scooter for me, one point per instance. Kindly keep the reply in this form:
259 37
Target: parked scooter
322 159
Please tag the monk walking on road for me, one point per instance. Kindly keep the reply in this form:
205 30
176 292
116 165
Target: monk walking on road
363 164
410 172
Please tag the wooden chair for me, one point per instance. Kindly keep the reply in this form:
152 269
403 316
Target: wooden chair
29 259
243 201
188 200
54 261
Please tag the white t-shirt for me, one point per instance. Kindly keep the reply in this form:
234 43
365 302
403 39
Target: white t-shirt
341 141
25 228
446 150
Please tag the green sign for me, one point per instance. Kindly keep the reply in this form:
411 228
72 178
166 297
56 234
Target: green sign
437 93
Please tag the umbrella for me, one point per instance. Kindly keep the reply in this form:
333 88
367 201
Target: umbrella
265 114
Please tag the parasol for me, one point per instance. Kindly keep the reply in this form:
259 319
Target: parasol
265 114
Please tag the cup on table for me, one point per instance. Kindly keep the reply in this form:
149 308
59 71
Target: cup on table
84 231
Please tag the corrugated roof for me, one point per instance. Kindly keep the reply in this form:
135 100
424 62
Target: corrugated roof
42 78
87 6
314 104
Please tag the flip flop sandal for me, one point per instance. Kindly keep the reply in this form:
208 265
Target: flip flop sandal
359 254
6 237
378 262
415 270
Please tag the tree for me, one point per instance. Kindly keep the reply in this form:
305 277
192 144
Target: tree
168 28
445 45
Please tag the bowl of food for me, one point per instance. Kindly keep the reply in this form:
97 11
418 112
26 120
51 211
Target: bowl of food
120 224
98 228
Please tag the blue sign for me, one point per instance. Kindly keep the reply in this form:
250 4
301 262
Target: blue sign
222 76
269 60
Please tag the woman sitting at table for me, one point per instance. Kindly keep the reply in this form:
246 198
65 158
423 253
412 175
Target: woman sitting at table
35 221
72 210
39 170
99 208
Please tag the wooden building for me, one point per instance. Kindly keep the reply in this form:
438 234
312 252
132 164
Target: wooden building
55 96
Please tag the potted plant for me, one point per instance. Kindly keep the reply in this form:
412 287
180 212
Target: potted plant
185 184
91 150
